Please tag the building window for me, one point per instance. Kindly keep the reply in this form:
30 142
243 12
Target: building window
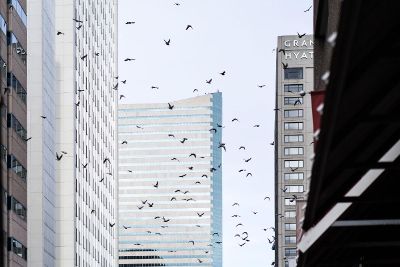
18 208
19 10
294 164
17 86
293 73
293 88
17 47
17 167
290 202
290 239
3 153
293 176
294 189
290 226
293 113
17 126
3 25
290 252
293 100
3 67
290 214
293 151
296 138
18 248
293 126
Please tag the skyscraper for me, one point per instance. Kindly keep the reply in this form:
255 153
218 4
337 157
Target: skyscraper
74 145
13 133
293 139
170 183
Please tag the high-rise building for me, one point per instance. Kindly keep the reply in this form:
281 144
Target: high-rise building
13 133
293 139
73 150
170 183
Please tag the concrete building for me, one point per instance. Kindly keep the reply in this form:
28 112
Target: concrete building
293 139
73 198
170 183
13 133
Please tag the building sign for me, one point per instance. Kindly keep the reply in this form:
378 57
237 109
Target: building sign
301 54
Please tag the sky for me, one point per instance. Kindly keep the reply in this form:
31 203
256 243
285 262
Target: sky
236 36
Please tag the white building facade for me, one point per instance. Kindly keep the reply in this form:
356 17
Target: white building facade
170 183
80 197
293 139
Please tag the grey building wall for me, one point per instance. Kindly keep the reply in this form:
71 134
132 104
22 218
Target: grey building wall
41 148
293 139
157 224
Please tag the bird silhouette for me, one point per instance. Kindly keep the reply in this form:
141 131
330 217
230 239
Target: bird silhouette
242 147
213 130
261 86
106 160
256 126
255 212
150 205
79 27
121 96
242 170
129 22
77 21
297 102
183 140
84 57
27 139
84 165
284 189
192 242
294 169
242 244
282 50
200 214
124 142
236 216
93 211
171 135
235 119
101 180
129 59
43 117
124 81
173 198
60 33
285 65
249 174
239 224
272 143
170 106
165 220
59 157
247 160
267 198
111 224
167 42
301 35
189 27
140 207
155 185
209 81
175 159
144 202
308 9
183 175
126 227
195 90
204 175
193 155
155 87
235 204
223 73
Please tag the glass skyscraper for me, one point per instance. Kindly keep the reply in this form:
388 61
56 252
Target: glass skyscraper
170 183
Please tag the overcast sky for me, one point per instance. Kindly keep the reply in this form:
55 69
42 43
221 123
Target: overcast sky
237 36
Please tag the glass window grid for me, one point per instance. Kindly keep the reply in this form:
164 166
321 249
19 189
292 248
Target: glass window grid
293 126
293 113
17 86
17 126
3 66
17 47
296 138
293 176
19 10
293 73
17 167
18 248
292 88
293 151
290 226
3 153
18 208
293 100
294 188
290 252
290 202
3 25
290 239
294 163
290 214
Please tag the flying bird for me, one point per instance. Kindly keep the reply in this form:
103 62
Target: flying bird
77 21
155 185
59 157
167 42
111 224
171 135
126 227
140 207
106 160
83 57
235 119
191 242
121 96
308 9
183 175
155 87
60 33
301 35
124 81
84 165
282 50
242 147
195 90
43 117
189 27
235 204
249 174
267 198
213 130
209 81
239 224
124 142
27 139
183 140
223 73
272 143
200 214
129 22
285 65
129 59
242 170
261 86
170 106
256 126
247 160
193 154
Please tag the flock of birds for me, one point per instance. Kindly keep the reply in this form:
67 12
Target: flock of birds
241 236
